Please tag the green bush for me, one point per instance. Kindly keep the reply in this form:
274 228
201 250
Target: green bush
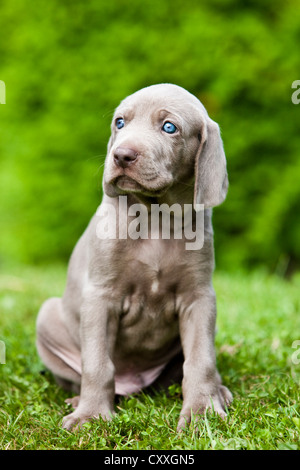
68 64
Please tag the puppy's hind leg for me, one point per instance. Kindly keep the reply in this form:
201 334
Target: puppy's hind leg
56 347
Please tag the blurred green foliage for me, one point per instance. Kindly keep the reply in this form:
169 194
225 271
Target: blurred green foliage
67 65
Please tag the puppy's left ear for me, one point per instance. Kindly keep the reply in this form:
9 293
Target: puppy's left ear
211 180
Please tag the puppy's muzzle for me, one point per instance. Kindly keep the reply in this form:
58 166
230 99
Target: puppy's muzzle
125 156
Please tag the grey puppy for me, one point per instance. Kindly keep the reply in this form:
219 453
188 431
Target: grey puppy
133 305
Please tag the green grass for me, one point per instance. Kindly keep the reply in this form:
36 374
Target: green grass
258 321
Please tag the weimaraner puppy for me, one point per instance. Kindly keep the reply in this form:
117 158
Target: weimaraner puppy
137 309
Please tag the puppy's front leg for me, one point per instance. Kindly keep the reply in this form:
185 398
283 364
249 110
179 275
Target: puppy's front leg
98 328
201 386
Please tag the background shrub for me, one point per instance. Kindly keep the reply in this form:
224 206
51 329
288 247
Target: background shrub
68 64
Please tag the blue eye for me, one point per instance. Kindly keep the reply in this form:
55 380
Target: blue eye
169 127
120 123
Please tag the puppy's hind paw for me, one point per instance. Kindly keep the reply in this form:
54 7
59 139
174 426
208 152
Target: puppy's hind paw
74 402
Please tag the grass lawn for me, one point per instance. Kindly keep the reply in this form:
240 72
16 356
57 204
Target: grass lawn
258 321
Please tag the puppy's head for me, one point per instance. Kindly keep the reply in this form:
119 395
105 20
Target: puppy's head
163 140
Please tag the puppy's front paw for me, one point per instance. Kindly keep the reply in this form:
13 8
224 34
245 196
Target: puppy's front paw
76 419
217 403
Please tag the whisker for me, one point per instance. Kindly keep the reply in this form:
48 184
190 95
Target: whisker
94 157
189 185
99 168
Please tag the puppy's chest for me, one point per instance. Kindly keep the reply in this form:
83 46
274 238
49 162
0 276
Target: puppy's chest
152 283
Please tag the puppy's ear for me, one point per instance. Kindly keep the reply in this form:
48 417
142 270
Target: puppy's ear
109 144
211 180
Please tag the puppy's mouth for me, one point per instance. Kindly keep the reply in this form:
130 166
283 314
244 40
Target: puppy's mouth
128 185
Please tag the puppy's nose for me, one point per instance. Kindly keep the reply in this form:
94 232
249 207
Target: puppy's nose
125 156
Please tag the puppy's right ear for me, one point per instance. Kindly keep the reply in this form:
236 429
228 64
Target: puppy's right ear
211 180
